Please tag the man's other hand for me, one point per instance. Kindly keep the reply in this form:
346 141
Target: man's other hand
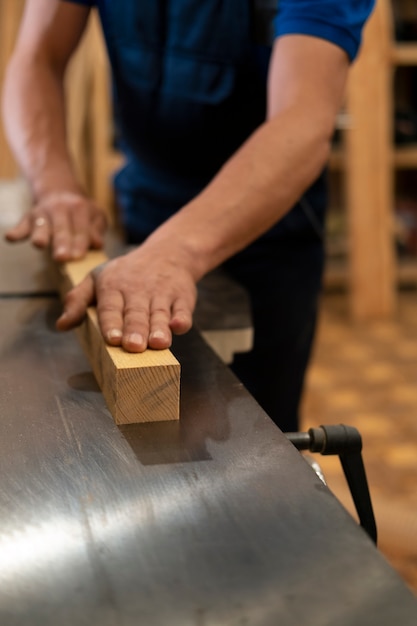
69 223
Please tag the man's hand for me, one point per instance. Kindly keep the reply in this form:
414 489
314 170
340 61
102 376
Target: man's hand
68 222
141 298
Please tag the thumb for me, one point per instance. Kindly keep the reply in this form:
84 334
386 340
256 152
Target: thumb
76 303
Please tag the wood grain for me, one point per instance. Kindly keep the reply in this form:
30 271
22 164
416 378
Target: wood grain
137 387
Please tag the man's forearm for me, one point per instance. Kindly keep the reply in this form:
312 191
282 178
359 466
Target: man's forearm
258 185
62 218
34 114
271 171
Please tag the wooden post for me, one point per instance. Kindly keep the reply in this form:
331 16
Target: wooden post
90 117
105 157
369 173
78 81
10 16
137 387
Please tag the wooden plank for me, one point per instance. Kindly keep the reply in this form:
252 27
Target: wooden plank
404 54
137 387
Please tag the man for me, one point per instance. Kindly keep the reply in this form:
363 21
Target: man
223 134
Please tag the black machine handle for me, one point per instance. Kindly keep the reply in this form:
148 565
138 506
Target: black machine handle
346 442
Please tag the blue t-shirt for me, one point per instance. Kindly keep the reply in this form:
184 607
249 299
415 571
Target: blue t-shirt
338 21
190 86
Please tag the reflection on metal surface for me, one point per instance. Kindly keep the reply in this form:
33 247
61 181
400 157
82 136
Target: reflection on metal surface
31 548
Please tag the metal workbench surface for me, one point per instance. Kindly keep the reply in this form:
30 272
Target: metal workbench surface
216 520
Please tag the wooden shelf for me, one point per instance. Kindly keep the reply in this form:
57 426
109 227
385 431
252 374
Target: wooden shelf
404 54
407 272
336 274
405 157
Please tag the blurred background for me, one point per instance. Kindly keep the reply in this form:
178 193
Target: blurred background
364 367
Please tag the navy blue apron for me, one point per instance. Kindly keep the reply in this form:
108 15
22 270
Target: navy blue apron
189 82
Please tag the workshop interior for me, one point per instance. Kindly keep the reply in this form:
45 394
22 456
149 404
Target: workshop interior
69 499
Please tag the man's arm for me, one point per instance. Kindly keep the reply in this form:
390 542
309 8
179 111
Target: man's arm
149 293
271 171
34 115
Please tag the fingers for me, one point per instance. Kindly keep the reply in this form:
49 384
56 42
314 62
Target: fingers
137 308
160 335
110 308
70 239
67 222
35 227
40 232
86 229
154 327
74 229
97 230
182 316
133 323
21 231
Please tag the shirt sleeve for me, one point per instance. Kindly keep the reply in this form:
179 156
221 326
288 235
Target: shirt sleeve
338 21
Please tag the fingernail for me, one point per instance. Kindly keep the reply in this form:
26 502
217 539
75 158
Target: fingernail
135 338
157 334
60 251
114 333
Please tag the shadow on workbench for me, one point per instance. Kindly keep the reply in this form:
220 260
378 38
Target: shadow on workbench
163 443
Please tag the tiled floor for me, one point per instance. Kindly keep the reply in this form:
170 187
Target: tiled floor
365 375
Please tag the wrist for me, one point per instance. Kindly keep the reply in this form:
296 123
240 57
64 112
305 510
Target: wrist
60 195
51 186
181 250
